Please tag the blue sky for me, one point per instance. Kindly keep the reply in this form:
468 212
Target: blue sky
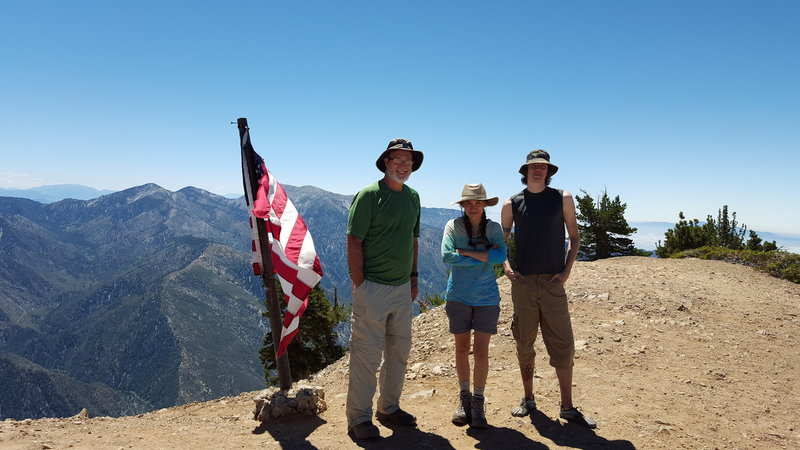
672 105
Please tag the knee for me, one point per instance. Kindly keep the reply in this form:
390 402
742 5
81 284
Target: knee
480 354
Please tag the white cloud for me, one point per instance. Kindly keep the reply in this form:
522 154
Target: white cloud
19 180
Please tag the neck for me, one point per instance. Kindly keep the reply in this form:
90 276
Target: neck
476 222
535 187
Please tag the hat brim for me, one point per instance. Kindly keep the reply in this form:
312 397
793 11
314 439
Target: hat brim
416 157
489 201
552 169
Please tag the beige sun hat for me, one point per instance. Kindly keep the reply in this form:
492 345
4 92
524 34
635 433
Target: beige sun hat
475 192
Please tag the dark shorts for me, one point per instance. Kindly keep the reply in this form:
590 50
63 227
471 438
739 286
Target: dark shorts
464 317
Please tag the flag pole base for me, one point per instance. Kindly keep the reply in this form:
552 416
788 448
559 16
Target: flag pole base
273 402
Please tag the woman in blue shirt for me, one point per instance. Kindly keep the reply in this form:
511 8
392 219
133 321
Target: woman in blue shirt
472 245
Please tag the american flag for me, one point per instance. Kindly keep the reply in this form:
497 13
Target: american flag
294 258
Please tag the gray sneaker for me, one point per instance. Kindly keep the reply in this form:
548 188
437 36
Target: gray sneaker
478 413
576 416
463 415
526 406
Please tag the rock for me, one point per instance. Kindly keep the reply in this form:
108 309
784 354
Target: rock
273 402
424 395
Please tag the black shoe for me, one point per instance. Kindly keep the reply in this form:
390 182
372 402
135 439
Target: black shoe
463 415
478 413
365 430
398 417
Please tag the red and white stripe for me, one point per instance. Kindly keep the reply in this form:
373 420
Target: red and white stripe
294 258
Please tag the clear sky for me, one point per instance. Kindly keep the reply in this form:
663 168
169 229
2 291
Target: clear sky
672 105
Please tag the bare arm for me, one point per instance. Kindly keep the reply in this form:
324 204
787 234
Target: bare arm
571 223
355 259
506 221
480 255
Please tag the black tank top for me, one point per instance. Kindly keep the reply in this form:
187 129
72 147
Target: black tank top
539 232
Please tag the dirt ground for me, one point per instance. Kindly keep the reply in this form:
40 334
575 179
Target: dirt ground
669 354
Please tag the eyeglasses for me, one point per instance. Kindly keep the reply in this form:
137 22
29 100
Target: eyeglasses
402 161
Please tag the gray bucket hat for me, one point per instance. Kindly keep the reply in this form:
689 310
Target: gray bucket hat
400 144
538 156
475 192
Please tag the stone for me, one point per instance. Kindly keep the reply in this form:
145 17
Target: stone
301 400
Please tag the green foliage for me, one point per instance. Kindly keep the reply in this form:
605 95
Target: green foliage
723 232
604 230
755 243
687 234
314 347
430 301
779 264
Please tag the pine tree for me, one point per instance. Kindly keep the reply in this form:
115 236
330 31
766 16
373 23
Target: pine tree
604 230
722 232
728 234
314 347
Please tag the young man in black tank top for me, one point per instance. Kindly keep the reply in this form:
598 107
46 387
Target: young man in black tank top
538 271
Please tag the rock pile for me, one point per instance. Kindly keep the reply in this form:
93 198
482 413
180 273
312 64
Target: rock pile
273 403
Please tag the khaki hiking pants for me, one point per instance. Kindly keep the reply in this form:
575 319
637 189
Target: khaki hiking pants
380 326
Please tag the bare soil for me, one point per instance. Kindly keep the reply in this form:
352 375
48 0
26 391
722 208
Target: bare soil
670 354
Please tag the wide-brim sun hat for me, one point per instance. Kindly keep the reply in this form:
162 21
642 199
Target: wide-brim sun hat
538 156
475 192
400 144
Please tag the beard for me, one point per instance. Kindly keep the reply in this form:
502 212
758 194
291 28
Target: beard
397 178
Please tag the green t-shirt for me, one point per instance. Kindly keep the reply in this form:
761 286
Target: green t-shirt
388 222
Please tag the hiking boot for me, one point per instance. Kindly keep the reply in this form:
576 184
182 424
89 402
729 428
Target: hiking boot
463 415
365 430
574 415
478 411
398 417
526 406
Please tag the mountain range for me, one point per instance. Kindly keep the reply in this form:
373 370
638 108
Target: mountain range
144 298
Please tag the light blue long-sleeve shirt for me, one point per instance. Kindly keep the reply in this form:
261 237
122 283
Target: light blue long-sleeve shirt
472 282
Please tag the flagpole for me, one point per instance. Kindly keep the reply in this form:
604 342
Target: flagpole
267 272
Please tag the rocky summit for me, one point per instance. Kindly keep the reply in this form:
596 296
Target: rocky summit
669 354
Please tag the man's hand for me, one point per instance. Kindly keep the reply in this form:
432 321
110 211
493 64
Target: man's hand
357 280
510 273
561 277
414 288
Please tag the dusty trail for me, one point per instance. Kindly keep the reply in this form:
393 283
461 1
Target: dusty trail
670 354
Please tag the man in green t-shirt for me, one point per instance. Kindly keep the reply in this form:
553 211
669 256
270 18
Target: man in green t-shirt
382 249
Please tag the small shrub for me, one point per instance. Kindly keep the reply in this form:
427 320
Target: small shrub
779 264
430 301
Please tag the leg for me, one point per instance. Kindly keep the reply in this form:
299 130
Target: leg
480 351
462 414
397 347
558 338
565 384
525 326
366 342
462 356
